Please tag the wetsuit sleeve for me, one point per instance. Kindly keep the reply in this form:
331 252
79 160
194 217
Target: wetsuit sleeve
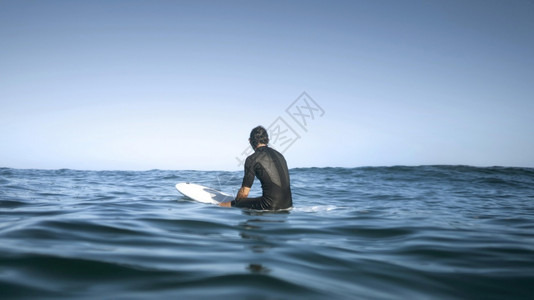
248 178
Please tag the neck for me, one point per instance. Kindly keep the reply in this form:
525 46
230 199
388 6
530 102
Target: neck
260 145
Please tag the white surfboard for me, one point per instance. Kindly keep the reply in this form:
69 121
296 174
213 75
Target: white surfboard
202 193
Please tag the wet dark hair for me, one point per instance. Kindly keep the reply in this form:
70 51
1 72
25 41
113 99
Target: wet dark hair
258 135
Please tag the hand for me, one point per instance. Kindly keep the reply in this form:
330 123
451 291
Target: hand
226 204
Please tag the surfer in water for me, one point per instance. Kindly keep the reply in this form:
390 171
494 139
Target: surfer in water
271 169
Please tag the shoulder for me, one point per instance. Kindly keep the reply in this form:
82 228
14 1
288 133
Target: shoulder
251 158
275 152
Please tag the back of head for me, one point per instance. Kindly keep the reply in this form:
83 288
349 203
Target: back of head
258 135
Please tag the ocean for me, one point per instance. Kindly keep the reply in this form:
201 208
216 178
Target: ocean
423 232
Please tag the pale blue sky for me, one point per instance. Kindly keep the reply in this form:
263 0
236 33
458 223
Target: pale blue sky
179 84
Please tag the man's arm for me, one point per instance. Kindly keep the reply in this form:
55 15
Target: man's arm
242 193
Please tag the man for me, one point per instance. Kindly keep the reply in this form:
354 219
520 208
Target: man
270 167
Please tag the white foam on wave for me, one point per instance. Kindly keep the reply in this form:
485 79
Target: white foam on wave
315 208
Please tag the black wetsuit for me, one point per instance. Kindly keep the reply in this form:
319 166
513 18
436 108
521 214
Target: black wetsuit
270 167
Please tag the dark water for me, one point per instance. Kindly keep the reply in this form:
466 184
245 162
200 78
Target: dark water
432 232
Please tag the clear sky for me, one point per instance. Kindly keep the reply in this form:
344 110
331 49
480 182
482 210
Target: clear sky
180 84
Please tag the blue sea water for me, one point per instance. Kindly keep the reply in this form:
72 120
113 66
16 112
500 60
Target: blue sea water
427 232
